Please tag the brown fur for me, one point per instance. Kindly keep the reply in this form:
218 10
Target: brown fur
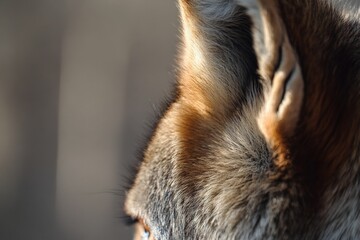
262 140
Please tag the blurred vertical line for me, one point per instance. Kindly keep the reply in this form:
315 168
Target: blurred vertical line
30 69
95 58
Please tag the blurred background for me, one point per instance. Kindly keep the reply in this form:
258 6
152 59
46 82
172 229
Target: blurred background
80 80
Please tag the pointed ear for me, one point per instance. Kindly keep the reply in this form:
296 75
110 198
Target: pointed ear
218 66
281 73
227 46
231 50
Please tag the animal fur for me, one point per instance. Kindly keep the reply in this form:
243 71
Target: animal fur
262 140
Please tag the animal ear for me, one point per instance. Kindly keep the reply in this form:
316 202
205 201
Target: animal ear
230 49
281 73
218 65
283 100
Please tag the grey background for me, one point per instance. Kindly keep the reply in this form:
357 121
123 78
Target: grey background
79 82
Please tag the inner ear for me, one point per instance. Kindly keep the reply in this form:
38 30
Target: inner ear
280 70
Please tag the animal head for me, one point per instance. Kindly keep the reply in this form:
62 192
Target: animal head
231 157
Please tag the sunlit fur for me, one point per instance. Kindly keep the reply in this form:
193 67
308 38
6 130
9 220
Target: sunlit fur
262 140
